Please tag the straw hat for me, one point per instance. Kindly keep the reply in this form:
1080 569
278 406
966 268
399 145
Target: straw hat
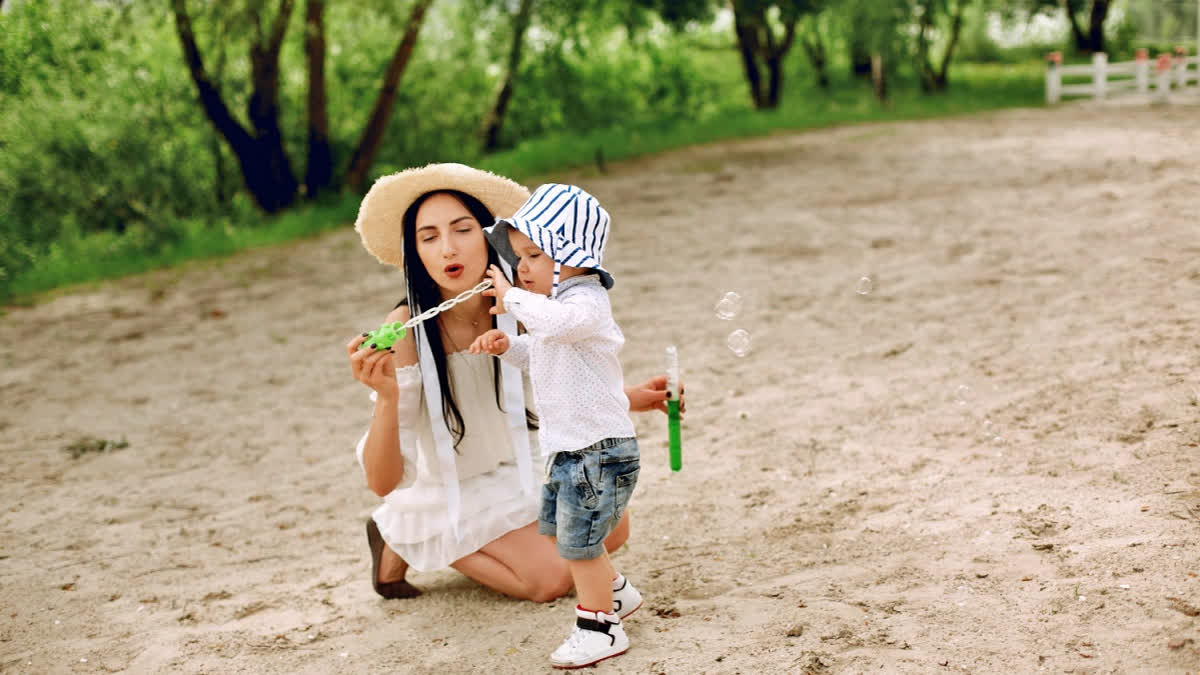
381 214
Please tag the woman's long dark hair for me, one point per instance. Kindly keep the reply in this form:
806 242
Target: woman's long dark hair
426 294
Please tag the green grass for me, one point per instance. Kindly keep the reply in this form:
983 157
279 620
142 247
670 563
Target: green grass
97 257
973 88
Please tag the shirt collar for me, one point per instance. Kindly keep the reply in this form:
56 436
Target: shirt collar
590 279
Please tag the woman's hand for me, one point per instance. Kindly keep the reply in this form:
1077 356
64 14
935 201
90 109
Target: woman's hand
652 395
374 368
493 342
500 286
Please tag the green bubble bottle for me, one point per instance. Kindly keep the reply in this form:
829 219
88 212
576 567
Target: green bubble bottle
673 431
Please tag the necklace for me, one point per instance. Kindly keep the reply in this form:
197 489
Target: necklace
474 322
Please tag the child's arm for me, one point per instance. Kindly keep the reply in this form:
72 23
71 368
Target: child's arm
513 350
517 353
494 342
580 314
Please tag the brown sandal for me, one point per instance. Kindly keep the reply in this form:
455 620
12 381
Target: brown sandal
391 590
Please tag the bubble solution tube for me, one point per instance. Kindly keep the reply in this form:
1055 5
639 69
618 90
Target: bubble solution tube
673 408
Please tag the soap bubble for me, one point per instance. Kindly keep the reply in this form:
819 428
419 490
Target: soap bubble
864 286
739 342
961 394
729 306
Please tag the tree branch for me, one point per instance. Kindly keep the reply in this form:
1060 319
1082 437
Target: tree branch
1071 8
368 143
210 96
955 29
279 29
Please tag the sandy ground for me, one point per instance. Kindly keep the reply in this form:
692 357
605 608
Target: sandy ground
841 508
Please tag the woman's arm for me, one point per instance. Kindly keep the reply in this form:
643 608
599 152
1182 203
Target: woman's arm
397 405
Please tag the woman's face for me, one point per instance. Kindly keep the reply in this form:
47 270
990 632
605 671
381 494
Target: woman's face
451 244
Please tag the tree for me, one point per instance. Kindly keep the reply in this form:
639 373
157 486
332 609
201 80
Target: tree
763 47
368 143
931 13
264 161
1093 40
1087 41
812 40
318 172
765 32
493 121
262 156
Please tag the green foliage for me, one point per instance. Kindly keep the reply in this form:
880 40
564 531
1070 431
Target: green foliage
108 166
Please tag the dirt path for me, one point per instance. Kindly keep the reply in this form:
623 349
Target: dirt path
838 510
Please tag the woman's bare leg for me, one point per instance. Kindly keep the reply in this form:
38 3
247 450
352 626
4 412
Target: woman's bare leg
620 533
522 564
525 565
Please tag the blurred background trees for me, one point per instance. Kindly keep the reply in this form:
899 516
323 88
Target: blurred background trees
130 118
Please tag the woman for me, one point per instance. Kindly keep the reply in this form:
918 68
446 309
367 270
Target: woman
449 446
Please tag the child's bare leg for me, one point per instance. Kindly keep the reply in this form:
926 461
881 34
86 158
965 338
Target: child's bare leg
593 582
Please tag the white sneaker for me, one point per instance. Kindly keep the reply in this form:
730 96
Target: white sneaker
626 599
595 637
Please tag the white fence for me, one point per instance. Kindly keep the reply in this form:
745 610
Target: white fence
1102 79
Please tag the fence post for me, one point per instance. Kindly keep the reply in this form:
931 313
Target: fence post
1100 75
1181 67
1164 76
1142 71
1053 77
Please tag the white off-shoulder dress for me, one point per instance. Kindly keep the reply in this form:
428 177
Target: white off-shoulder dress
413 518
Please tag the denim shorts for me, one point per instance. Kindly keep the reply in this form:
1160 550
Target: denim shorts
585 493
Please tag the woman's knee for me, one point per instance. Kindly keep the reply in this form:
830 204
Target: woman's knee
617 538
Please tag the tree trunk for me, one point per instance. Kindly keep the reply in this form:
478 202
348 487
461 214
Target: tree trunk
774 80
1071 7
774 58
941 79
1096 26
368 144
318 172
878 78
494 120
266 170
923 66
814 49
747 38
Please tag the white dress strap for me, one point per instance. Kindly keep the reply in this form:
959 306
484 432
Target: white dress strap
441 433
514 402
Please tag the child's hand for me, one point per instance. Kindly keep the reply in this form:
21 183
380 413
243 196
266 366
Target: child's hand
493 342
499 287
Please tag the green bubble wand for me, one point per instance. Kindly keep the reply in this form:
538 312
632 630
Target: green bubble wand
392 332
673 431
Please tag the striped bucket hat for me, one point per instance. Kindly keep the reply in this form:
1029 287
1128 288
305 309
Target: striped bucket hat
566 223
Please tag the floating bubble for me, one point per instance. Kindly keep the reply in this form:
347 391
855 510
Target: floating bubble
729 306
739 342
865 285
961 394
998 440
988 428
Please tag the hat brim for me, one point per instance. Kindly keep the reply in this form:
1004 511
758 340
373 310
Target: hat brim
497 236
380 221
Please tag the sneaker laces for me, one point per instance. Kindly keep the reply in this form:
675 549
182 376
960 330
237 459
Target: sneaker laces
576 638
